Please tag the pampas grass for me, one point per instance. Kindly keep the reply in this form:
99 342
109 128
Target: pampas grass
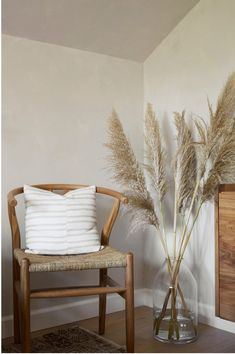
199 165
184 164
127 171
155 154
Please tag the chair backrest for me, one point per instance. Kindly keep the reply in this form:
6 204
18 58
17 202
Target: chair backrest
106 231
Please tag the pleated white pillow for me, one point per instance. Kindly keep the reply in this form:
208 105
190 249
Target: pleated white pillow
61 224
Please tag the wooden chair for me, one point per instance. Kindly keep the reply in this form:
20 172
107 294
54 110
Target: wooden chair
25 263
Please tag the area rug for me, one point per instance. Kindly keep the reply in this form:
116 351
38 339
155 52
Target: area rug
72 339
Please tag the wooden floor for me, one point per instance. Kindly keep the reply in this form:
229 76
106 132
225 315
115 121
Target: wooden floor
211 340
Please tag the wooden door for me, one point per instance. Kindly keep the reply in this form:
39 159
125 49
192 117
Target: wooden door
225 252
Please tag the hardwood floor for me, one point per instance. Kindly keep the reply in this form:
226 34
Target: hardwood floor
211 340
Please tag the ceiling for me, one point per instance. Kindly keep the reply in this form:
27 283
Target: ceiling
129 29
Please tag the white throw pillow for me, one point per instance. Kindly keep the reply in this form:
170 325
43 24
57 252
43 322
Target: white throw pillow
61 224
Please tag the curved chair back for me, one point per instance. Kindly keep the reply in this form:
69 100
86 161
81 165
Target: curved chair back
107 228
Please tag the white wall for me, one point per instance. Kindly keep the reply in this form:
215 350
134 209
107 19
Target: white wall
56 102
192 63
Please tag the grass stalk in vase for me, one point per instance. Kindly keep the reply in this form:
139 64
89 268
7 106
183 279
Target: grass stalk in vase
175 221
200 164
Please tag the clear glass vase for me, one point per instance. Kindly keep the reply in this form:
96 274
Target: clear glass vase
175 305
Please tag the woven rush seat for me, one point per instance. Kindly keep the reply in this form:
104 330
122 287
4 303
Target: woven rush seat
106 258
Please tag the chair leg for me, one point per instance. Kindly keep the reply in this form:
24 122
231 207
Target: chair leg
130 332
16 310
25 305
102 302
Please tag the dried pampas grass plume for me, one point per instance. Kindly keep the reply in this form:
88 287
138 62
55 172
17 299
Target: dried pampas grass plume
184 164
221 121
219 150
223 170
155 153
224 115
128 172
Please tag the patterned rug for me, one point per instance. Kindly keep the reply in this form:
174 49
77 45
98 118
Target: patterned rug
72 339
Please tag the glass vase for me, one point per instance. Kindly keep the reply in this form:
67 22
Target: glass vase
175 305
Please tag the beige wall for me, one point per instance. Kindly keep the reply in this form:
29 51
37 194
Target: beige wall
56 102
192 63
